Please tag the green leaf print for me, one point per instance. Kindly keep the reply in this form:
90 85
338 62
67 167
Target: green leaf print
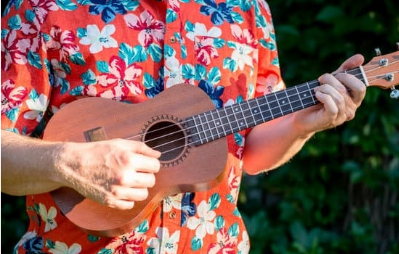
196 243
234 230
214 201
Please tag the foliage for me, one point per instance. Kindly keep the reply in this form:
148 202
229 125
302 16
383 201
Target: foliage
340 193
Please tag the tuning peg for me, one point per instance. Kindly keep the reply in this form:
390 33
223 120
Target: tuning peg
394 93
377 51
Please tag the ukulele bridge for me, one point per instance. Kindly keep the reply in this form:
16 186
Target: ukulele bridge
95 134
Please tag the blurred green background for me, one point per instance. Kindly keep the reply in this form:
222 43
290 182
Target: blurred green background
340 193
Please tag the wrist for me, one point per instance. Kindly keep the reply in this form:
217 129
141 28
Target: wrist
302 130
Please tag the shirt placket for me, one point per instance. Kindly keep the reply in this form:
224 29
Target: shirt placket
171 219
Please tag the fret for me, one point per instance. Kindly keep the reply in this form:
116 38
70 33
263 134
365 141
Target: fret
200 131
211 123
305 95
295 101
256 112
289 100
206 130
239 116
274 106
311 91
219 123
226 119
243 124
265 109
249 118
192 129
299 97
232 119
283 102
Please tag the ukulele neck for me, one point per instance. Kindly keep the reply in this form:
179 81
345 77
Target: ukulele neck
218 123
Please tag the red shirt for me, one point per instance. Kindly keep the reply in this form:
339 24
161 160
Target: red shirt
55 52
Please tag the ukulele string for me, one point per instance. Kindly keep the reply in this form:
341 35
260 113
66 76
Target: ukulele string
354 72
184 122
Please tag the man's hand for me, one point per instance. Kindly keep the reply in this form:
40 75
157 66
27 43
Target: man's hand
340 95
115 172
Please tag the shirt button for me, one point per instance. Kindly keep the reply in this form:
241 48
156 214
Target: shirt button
172 39
172 215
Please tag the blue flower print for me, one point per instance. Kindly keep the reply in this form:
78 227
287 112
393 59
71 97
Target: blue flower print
156 89
34 245
188 208
107 8
213 92
219 12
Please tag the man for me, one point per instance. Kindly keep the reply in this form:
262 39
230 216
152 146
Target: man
131 51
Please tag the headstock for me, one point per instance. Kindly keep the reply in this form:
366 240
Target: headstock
383 71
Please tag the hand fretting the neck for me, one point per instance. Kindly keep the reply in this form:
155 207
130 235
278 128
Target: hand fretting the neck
218 123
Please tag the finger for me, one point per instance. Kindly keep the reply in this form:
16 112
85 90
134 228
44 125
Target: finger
142 163
120 204
331 80
138 179
142 148
336 96
129 194
350 63
356 88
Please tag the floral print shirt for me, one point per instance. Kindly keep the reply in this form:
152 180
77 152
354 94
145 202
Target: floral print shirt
54 52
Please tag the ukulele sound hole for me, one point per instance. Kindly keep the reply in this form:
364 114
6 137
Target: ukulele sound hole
166 137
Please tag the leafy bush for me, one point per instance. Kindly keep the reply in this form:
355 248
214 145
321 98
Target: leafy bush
340 193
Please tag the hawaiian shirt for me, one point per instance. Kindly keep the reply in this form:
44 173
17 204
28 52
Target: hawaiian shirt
54 52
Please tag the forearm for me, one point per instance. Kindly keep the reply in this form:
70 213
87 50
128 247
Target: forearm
27 164
272 144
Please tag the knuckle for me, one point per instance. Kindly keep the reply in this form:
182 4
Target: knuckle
142 195
350 115
109 201
152 180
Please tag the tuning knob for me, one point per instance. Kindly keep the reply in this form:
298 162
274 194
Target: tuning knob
377 51
394 93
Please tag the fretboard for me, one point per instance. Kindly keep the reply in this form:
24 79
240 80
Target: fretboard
218 123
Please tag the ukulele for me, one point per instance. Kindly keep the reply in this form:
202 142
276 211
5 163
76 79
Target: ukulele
192 139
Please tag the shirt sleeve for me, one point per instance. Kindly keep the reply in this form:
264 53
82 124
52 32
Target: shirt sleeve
269 75
25 70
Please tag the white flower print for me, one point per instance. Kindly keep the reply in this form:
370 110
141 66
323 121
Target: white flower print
243 247
62 248
173 70
164 243
241 54
54 109
200 30
48 217
37 107
97 40
172 202
203 223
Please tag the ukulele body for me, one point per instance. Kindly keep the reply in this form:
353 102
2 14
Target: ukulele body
184 166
